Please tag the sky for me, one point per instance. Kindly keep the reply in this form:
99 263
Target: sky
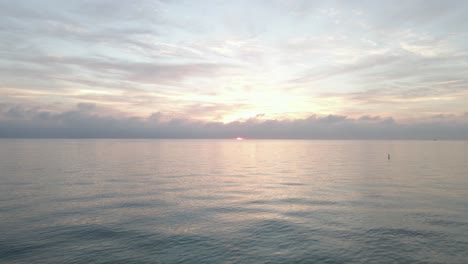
222 69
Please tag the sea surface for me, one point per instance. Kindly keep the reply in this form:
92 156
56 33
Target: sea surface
229 201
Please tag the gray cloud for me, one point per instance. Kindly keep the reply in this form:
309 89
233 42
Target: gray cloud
79 41
364 64
85 122
64 68
402 93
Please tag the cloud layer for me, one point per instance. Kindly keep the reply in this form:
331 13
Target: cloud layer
86 121
238 66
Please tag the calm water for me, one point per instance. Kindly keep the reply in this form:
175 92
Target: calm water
215 201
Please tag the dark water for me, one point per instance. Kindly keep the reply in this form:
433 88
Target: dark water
214 201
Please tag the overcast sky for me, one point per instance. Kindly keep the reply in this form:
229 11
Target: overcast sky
220 69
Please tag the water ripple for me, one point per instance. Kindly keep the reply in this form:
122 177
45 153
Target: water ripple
233 202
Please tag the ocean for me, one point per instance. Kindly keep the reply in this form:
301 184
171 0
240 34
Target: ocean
232 201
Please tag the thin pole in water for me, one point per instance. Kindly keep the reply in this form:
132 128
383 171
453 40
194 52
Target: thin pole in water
388 156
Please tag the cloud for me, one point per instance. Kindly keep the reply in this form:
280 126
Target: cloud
106 80
345 58
369 118
85 122
364 64
86 107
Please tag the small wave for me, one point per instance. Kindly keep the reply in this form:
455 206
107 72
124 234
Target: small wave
402 232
